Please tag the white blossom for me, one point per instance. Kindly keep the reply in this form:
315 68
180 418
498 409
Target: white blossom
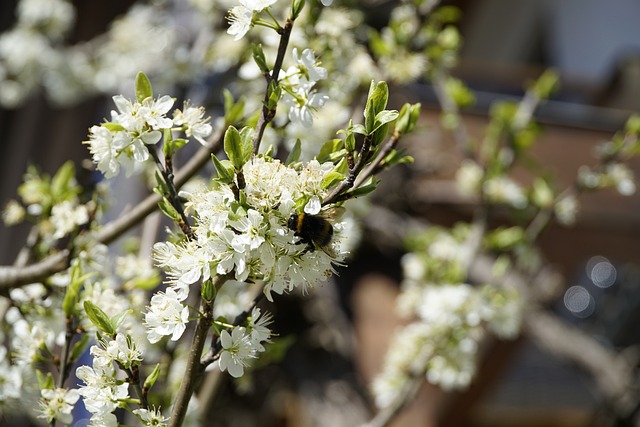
166 315
298 82
13 213
122 350
151 417
53 17
307 67
566 209
106 147
504 190
302 105
30 337
102 391
622 178
468 177
10 378
192 119
237 351
57 404
154 110
258 327
240 19
257 5
66 216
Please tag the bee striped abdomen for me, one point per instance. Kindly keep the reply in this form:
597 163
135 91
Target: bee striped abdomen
319 230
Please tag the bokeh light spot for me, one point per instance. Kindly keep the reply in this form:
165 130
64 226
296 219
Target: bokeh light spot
579 301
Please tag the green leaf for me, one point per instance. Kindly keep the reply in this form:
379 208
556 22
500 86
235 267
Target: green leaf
504 238
171 145
143 87
258 56
269 151
71 296
79 348
246 135
113 127
331 179
294 154
161 188
119 318
275 91
238 146
147 283
408 118
167 208
546 84
342 167
386 116
360 129
396 157
369 110
233 111
376 102
152 378
379 135
459 92
208 292
350 142
45 382
542 194
61 181
380 46
99 318
633 124
364 189
233 147
224 169
296 8
328 150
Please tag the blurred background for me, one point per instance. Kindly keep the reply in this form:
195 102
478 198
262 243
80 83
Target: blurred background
595 47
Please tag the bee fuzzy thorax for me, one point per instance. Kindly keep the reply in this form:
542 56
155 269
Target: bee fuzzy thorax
314 230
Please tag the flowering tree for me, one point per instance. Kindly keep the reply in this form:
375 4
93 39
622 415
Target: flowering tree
298 139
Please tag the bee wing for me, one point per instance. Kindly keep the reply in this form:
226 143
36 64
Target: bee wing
332 213
329 251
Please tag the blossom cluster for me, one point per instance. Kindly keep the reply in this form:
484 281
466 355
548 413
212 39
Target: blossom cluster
449 320
250 241
124 142
103 391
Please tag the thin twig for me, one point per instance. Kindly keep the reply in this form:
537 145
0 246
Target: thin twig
354 171
168 178
269 113
374 167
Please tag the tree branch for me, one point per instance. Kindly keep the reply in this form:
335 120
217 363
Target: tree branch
193 371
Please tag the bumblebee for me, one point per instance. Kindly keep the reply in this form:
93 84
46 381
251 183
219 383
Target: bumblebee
316 230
